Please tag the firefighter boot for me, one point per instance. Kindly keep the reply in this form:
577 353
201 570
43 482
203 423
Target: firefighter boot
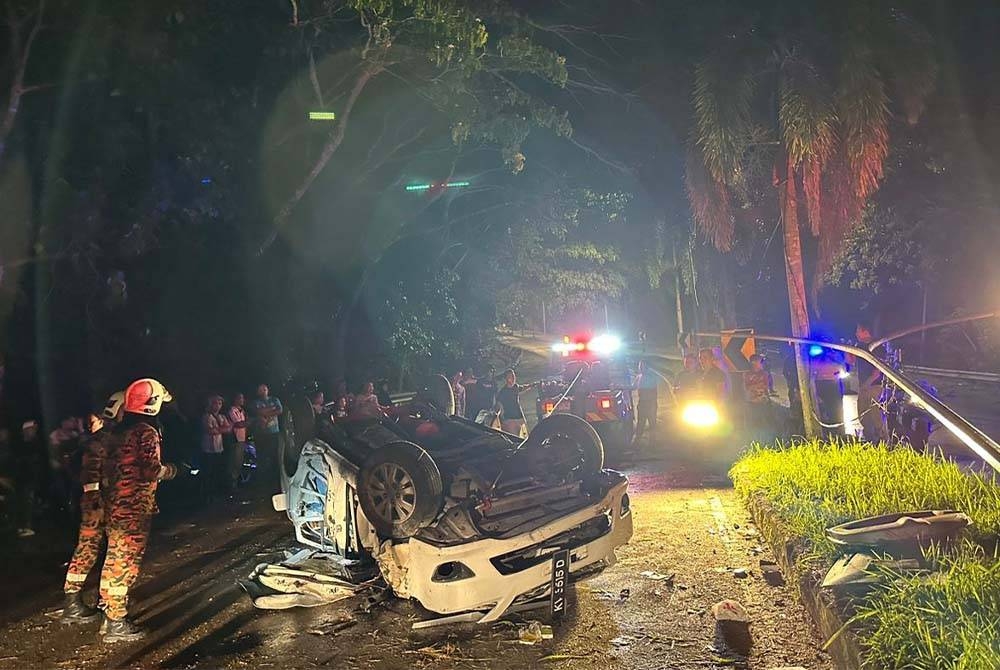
76 611
121 630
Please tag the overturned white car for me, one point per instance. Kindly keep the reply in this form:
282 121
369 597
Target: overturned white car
460 517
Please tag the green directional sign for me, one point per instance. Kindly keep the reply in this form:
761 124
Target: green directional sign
322 116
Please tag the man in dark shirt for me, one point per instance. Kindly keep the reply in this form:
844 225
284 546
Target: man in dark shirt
480 393
713 380
687 380
509 399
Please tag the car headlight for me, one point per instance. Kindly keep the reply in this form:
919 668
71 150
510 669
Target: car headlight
700 414
604 344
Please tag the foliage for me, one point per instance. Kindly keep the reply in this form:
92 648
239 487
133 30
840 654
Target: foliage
567 253
815 485
826 140
882 251
419 322
950 619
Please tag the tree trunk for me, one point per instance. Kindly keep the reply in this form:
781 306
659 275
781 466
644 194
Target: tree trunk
19 55
799 308
330 148
679 300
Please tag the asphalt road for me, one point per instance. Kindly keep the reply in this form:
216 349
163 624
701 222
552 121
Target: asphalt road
687 524
691 537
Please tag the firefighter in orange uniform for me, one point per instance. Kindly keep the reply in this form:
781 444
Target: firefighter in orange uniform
132 474
92 513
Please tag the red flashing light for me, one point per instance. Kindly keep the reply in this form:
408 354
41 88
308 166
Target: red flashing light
605 403
548 407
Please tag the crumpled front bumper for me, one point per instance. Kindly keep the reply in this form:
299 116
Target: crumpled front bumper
480 585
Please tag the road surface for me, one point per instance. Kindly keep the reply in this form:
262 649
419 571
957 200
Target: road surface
685 526
691 535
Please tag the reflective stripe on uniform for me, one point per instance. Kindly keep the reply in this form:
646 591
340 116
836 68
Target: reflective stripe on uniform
75 577
114 590
91 487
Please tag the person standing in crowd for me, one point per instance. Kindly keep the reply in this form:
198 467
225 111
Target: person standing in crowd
472 403
458 388
133 474
509 399
267 409
713 380
382 391
825 371
214 427
340 392
648 386
96 451
687 381
756 386
238 419
366 405
30 458
869 389
340 409
317 400
64 442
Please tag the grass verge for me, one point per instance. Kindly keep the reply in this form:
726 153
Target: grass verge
950 619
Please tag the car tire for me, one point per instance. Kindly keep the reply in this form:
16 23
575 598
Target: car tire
400 489
578 431
439 393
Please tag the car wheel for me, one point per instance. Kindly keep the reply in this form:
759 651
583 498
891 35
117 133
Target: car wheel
400 489
300 427
573 434
439 393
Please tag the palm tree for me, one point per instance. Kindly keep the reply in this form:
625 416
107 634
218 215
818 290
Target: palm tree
792 109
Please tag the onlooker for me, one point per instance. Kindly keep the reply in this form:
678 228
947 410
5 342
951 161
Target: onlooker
648 385
382 391
713 379
756 382
473 405
317 399
340 410
267 409
64 443
238 418
29 461
340 392
688 380
869 389
214 426
366 405
825 371
459 390
509 398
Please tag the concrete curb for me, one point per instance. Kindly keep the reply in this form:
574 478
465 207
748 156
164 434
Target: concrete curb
827 616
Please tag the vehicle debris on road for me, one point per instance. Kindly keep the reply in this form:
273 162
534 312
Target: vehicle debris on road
533 633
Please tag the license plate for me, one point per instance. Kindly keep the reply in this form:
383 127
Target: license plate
560 579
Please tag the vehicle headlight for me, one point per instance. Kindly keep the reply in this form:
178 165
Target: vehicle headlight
604 344
700 414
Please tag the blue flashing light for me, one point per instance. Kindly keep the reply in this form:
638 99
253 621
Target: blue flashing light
815 350
206 180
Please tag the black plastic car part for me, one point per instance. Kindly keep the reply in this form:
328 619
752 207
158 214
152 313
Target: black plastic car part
563 438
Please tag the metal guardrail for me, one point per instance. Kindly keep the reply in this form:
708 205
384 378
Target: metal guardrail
976 440
970 375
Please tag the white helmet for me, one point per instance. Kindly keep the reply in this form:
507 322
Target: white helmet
113 406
